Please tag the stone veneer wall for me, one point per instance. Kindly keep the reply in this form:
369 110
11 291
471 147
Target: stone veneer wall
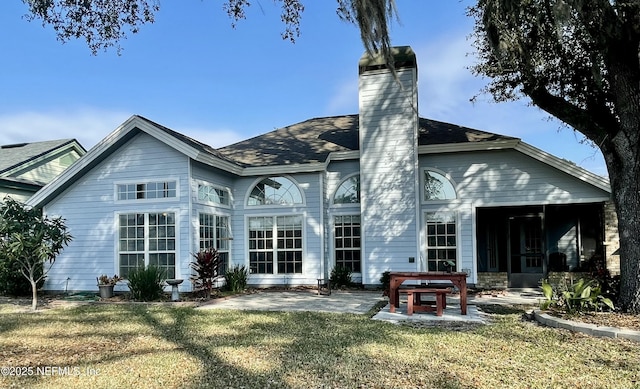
497 280
611 238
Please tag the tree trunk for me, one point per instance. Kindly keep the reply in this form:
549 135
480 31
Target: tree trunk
34 295
622 156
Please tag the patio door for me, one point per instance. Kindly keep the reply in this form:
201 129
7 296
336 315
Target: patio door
526 247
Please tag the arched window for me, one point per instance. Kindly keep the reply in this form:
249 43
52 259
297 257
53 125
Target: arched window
437 187
348 192
275 191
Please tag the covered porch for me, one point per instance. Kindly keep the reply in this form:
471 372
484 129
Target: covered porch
518 246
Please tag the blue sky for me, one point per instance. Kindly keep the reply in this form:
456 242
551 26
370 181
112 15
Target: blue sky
192 72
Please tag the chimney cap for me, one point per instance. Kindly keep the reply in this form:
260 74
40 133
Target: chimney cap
403 57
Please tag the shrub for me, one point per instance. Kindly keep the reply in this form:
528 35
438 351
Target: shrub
12 282
146 284
582 296
610 285
207 268
237 278
340 276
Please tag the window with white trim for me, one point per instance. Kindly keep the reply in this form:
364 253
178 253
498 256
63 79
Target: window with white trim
441 241
147 239
147 190
348 192
437 187
213 194
275 191
215 233
275 244
347 242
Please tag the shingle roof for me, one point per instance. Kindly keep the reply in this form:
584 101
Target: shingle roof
186 139
312 140
15 155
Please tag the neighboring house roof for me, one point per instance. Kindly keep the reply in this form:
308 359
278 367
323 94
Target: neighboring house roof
303 147
14 156
18 183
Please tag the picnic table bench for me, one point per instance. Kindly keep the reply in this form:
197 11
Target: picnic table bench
458 279
415 304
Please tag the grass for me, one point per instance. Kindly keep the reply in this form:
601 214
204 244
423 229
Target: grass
156 346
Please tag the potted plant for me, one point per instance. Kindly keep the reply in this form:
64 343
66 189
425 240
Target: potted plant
106 284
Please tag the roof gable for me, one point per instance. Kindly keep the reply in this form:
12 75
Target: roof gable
15 156
304 146
112 142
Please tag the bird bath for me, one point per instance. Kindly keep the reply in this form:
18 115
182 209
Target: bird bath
175 295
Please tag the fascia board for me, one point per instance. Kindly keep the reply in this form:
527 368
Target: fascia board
167 139
95 153
213 161
460 147
565 166
13 184
302 168
482 203
284 169
343 155
189 151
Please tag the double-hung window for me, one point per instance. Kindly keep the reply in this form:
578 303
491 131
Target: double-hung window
146 239
347 242
275 244
441 241
346 228
215 233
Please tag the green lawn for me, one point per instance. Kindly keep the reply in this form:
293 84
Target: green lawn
150 346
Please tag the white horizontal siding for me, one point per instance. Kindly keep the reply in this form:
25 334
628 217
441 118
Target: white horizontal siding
89 208
310 185
510 177
388 161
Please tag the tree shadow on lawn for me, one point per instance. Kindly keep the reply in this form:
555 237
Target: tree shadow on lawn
296 349
232 348
182 331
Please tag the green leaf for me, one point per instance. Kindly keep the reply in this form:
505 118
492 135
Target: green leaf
586 293
547 290
607 302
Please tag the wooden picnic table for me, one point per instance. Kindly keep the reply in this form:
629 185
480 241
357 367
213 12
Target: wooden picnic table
458 279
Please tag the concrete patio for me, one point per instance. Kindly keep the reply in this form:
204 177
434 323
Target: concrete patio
361 302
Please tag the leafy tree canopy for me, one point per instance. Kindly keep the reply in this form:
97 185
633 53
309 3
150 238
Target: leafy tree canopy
31 240
104 23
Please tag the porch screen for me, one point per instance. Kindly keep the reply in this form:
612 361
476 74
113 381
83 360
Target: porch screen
441 240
